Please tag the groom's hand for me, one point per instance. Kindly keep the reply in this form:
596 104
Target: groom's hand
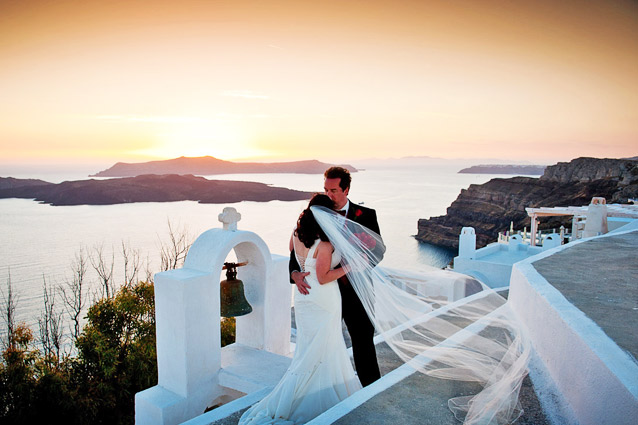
300 280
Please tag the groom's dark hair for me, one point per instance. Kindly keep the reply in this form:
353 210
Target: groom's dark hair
339 173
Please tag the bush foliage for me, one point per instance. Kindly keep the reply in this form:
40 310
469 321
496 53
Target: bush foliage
116 358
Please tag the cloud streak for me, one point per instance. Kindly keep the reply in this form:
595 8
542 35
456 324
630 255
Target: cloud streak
152 119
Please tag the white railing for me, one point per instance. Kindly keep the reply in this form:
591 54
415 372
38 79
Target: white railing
504 237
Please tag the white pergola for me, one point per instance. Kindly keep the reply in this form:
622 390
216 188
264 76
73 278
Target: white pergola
613 210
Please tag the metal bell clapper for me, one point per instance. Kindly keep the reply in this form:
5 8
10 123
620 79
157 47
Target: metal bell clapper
233 301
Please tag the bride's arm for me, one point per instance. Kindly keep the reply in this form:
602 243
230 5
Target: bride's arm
324 258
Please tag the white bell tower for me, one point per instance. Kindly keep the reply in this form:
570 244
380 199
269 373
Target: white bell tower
194 371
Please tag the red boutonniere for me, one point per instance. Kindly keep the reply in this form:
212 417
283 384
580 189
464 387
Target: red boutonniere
366 240
358 213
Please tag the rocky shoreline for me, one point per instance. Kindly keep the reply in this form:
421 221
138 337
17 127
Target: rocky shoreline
145 188
492 206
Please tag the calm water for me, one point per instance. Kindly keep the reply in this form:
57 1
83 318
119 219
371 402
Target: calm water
40 241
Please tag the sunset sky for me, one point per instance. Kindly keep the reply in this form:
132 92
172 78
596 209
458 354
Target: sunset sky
105 81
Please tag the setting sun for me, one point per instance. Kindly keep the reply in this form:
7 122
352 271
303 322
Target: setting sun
221 137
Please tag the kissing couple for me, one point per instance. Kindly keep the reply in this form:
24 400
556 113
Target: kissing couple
335 249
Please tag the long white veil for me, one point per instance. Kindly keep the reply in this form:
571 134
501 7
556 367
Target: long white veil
476 338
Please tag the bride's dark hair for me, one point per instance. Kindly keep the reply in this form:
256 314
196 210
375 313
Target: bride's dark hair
308 229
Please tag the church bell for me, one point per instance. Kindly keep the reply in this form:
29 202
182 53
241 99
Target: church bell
233 301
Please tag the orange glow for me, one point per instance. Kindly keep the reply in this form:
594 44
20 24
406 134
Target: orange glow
540 81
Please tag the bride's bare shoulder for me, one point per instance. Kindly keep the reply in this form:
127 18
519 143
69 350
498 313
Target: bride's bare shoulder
325 246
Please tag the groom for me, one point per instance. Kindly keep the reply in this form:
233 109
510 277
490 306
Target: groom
337 186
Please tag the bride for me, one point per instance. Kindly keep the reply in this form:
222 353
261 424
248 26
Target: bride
477 338
320 374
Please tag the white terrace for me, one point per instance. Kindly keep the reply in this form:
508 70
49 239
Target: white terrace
493 264
580 374
596 219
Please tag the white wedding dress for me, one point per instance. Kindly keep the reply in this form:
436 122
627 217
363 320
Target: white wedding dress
320 374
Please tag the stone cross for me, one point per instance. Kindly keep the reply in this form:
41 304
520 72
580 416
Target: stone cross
229 217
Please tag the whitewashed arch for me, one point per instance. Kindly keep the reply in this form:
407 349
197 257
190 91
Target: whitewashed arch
187 311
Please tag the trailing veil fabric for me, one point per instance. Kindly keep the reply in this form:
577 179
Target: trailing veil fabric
476 338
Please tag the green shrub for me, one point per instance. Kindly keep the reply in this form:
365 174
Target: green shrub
116 359
117 352
227 330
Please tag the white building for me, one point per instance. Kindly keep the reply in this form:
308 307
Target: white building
493 264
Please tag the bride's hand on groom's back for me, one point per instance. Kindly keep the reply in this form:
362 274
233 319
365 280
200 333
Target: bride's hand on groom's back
300 281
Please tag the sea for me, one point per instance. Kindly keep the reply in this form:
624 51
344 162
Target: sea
39 243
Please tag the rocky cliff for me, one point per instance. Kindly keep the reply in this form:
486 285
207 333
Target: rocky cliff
490 207
624 171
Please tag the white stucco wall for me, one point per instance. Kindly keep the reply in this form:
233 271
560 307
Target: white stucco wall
187 302
593 375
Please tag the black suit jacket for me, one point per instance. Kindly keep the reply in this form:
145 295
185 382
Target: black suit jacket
364 216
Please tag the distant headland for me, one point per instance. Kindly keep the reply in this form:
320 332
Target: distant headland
208 165
145 188
527 170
